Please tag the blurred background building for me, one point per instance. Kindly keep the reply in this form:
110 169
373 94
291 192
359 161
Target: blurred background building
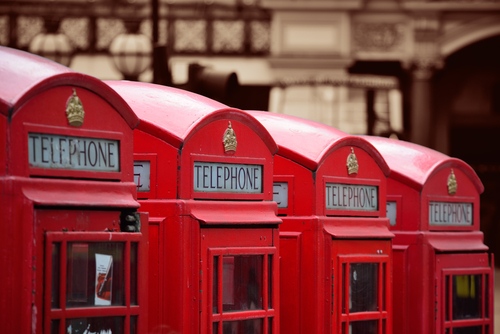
427 71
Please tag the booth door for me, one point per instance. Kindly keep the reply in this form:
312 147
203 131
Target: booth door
90 279
362 287
464 284
240 281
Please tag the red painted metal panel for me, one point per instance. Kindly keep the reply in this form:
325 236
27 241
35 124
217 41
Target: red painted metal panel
34 96
420 162
25 76
186 134
309 143
3 146
464 290
101 121
314 158
173 115
419 187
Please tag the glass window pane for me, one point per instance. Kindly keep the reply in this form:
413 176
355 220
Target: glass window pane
466 296
54 327
133 273
95 274
344 287
251 326
270 282
242 282
215 328
55 275
133 325
77 279
468 330
447 298
101 325
363 287
363 327
215 285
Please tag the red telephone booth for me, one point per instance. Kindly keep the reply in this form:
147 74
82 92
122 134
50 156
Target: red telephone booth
204 174
72 250
443 276
335 245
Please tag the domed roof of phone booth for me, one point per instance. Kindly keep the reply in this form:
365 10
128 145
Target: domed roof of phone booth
308 142
173 114
25 75
414 164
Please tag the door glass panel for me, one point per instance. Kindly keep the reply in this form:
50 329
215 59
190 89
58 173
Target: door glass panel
215 285
468 330
363 327
133 273
101 325
466 296
215 328
77 289
251 326
55 275
133 325
242 282
270 282
344 288
54 327
95 274
363 287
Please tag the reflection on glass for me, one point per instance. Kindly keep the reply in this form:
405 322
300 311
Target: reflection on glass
363 327
251 326
466 296
84 262
101 325
78 258
242 282
363 287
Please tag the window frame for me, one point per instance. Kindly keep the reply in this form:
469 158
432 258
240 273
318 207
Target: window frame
448 324
62 313
267 313
382 314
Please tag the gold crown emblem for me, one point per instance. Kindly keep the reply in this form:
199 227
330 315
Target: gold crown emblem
74 110
352 163
452 183
229 139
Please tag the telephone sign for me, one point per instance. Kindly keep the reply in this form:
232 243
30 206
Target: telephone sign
224 177
450 213
68 152
351 197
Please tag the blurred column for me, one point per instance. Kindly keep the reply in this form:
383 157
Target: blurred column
161 70
425 61
421 131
